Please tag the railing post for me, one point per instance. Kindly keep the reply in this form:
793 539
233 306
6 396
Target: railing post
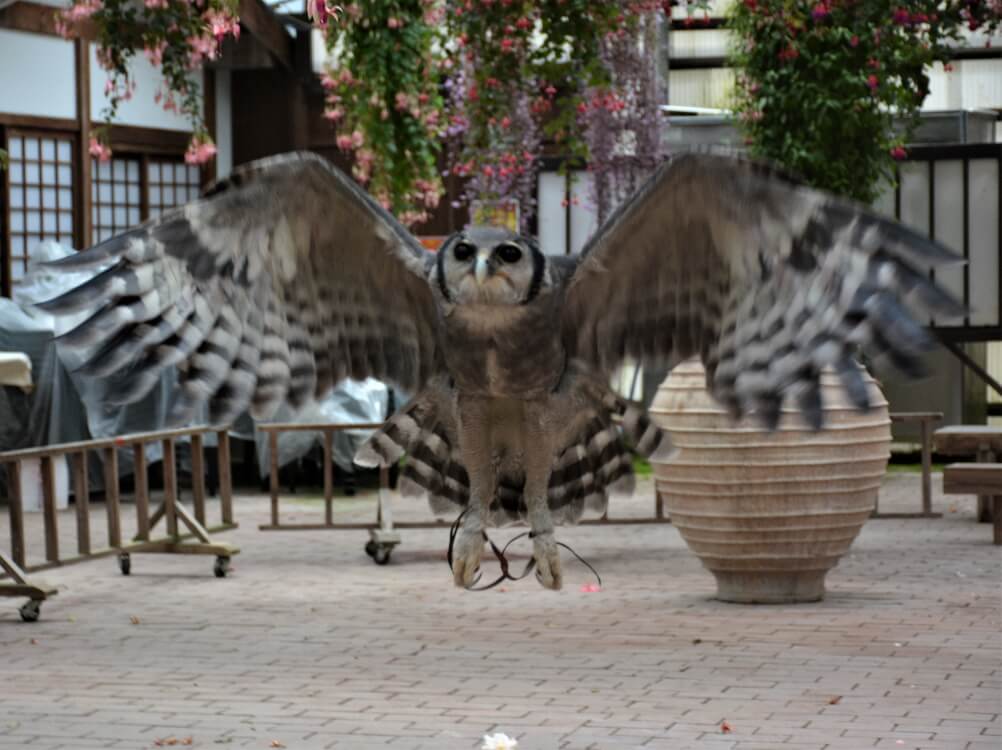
198 477
225 475
81 499
170 487
328 477
273 460
142 492
926 466
48 471
16 513
111 496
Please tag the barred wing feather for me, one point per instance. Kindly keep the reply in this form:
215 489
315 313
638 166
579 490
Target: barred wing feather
766 280
283 280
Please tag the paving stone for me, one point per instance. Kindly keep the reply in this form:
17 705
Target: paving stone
307 642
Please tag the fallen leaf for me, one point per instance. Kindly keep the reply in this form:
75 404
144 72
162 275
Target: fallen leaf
188 741
696 641
71 618
834 700
726 728
34 641
134 620
223 740
277 743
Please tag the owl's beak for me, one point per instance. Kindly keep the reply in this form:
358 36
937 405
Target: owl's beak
481 270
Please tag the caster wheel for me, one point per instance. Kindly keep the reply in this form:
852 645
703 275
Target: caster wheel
221 567
31 610
125 563
371 548
382 556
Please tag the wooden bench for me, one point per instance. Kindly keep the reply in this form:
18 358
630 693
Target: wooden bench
978 479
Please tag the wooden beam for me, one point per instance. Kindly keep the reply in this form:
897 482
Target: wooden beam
209 114
38 123
151 140
260 21
83 202
31 17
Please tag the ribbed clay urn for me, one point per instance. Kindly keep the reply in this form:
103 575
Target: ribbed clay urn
769 513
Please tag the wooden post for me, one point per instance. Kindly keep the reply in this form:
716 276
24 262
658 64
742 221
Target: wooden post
198 477
48 470
142 492
926 466
111 496
273 459
81 497
170 487
328 477
16 513
225 475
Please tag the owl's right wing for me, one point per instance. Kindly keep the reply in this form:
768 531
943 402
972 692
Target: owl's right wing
765 279
283 280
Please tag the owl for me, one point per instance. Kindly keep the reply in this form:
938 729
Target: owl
286 278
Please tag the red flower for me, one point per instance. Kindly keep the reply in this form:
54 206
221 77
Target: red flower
820 12
872 81
901 17
854 42
899 153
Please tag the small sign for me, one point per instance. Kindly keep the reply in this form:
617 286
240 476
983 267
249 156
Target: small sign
503 213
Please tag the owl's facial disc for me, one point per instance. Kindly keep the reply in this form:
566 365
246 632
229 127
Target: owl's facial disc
487 266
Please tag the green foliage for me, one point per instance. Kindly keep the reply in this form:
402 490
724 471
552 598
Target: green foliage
821 84
384 98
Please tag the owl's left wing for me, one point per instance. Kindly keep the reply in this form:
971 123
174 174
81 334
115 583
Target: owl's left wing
766 280
281 281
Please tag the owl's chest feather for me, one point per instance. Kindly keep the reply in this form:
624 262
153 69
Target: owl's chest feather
503 351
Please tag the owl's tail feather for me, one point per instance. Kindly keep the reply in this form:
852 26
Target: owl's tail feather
598 462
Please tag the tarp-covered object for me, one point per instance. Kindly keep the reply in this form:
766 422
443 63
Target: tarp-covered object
67 407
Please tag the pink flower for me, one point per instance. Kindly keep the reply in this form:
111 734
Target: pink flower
507 45
99 150
873 82
344 142
155 4
200 150
820 12
899 153
321 11
854 42
901 17
401 101
221 24
155 54
334 115
394 23
357 139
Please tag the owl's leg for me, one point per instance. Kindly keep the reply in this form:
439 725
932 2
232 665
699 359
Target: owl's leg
475 448
538 465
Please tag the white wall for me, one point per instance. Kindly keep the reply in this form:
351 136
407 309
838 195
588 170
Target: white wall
37 75
141 110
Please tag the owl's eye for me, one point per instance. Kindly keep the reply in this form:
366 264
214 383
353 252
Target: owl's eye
463 251
510 253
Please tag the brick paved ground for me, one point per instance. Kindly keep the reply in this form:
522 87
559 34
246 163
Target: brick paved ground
310 645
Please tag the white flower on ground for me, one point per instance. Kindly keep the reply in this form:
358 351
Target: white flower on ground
498 742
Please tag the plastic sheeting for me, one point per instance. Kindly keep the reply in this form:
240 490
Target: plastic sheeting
351 401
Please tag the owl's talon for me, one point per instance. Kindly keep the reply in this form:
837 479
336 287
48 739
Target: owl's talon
547 558
466 554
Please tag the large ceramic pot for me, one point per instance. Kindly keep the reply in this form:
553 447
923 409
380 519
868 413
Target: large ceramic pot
769 513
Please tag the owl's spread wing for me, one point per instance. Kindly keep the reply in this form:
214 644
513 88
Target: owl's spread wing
283 280
766 280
